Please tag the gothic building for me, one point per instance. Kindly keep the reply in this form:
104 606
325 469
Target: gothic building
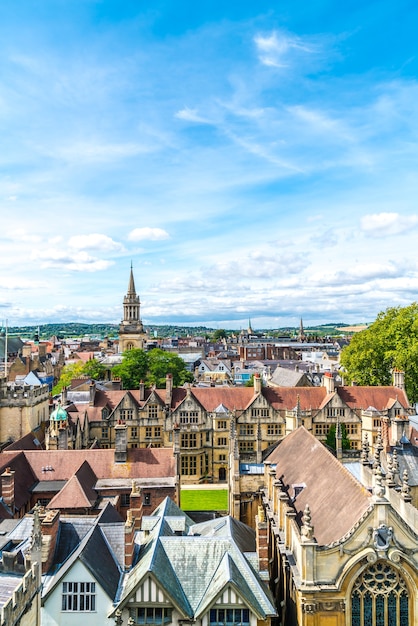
342 551
131 330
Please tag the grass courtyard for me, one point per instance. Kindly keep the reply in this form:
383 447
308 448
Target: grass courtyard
204 499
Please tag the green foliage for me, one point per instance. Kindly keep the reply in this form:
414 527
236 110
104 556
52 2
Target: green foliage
161 363
220 333
152 368
94 369
70 371
133 369
331 437
204 499
391 342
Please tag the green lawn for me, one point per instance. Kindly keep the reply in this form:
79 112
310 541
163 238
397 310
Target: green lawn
204 499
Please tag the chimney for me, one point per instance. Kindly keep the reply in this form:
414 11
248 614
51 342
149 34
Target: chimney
8 487
262 540
121 443
398 379
136 505
92 391
168 389
257 383
42 349
129 540
328 382
49 527
26 350
64 398
141 391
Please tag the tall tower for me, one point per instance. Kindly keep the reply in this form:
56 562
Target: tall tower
131 330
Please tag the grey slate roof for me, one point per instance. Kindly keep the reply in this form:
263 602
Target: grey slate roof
193 568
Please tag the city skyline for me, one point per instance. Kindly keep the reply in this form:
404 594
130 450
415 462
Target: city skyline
251 162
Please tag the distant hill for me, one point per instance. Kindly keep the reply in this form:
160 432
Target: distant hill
74 329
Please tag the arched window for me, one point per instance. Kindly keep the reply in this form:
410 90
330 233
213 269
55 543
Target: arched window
380 597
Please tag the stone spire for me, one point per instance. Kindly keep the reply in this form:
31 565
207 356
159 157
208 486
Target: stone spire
378 449
131 330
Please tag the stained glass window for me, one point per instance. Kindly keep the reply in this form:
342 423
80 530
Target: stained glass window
380 597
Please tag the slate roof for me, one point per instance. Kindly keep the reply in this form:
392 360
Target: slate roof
336 499
192 569
104 569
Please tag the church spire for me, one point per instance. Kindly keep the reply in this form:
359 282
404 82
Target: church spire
131 330
131 286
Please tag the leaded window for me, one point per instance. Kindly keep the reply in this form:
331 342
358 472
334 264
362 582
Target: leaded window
229 617
380 598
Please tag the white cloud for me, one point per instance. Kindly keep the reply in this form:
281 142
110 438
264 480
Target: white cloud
95 241
190 115
387 224
147 233
78 261
275 49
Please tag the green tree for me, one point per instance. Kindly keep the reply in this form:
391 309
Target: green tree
162 363
94 369
331 437
391 342
133 369
220 333
70 371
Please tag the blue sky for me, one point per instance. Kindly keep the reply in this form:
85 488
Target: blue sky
252 160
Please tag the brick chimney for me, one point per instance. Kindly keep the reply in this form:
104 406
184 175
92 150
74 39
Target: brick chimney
136 505
141 391
262 540
121 443
257 383
328 382
50 522
129 540
168 389
8 487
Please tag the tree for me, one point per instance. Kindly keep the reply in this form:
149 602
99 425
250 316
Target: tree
133 369
94 369
162 363
331 437
220 333
151 367
70 371
391 342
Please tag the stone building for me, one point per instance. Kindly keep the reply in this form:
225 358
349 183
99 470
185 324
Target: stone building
342 551
131 330
22 409
200 419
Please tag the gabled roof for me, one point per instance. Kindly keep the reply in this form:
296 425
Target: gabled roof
78 492
95 553
193 569
313 476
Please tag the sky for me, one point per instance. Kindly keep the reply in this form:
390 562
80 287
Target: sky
252 160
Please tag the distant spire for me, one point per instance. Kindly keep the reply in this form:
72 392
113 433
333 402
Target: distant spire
131 286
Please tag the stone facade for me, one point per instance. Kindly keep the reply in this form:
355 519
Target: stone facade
22 409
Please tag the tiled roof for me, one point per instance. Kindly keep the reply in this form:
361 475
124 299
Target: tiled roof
192 570
141 463
78 492
335 498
